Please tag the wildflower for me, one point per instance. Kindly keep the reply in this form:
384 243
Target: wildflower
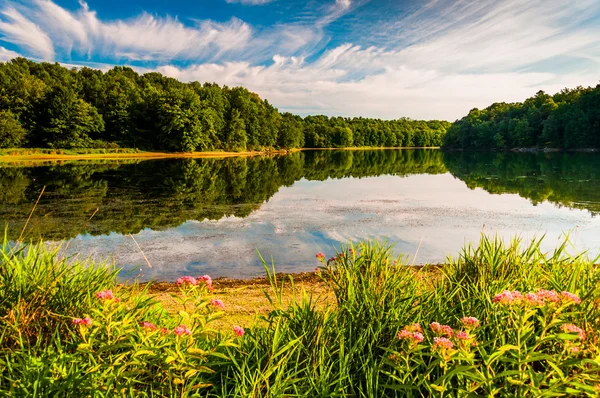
570 328
533 300
332 259
148 325
570 297
238 330
404 334
206 279
508 297
549 296
186 280
320 256
418 337
442 343
441 330
181 329
469 322
165 331
218 303
462 335
317 270
105 295
84 321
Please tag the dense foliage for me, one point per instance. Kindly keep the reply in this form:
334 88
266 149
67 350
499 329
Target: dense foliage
44 105
501 320
568 119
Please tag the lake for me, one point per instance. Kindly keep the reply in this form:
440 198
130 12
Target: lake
211 216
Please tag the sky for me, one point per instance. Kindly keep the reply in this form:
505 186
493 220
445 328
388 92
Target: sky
423 59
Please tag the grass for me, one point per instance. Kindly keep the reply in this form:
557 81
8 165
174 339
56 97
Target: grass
375 327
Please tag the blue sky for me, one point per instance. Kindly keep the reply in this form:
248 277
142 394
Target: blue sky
376 58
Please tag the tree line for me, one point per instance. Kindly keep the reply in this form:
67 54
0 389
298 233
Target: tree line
569 119
45 105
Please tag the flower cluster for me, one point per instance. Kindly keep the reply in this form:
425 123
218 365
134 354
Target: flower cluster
412 337
105 295
218 303
182 329
238 330
186 280
570 328
442 343
320 256
538 299
190 280
441 330
469 322
206 279
84 321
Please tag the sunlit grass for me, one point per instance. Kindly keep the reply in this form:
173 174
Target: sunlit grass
377 328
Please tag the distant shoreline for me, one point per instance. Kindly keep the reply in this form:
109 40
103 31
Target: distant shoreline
168 155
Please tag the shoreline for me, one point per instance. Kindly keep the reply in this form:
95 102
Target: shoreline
175 155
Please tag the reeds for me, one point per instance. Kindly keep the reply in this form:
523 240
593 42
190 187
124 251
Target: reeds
501 319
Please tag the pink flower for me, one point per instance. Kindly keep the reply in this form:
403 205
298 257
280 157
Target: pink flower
320 256
106 295
549 296
441 330
570 297
148 325
442 343
182 329
414 337
418 337
186 280
332 259
470 322
206 279
84 321
570 328
534 300
238 330
165 331
317 270
508 297
218 303
462 335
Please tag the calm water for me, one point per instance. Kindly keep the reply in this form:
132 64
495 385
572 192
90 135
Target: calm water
212 215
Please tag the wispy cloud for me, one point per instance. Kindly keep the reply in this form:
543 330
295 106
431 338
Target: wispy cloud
17 29
250 2
434 59
145 37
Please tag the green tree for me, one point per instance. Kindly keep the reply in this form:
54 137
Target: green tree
236 137
12 134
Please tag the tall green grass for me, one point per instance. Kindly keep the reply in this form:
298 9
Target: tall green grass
363 343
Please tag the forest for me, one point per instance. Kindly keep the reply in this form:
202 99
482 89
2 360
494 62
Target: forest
45 105
569 119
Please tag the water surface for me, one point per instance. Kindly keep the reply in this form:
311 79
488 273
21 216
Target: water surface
196 216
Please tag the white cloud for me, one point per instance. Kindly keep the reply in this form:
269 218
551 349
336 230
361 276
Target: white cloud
145 37
7 55
437 61
343 3
17 29
250 2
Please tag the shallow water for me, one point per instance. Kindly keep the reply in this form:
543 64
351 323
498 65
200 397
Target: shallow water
197 216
